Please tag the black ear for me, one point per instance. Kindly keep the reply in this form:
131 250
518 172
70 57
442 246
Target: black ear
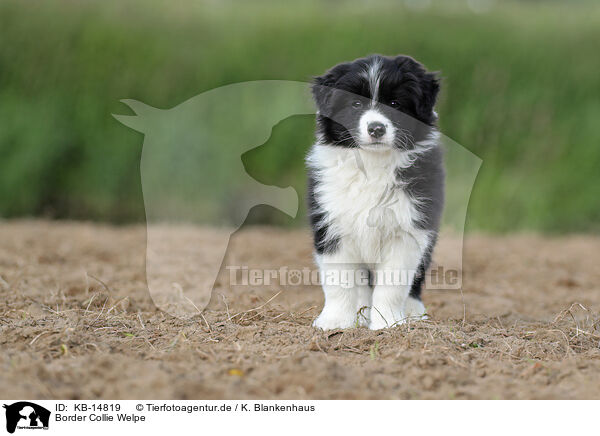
430 87
324 85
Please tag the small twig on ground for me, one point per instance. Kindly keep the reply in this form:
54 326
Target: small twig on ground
102 310
206 322
115 305
226 307
258 307
100 281
91 299
37 337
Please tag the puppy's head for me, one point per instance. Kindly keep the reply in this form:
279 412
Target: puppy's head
376 103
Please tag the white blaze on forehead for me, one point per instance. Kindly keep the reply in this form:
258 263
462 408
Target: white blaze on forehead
373 76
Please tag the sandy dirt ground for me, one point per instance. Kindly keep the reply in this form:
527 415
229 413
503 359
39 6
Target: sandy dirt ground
77 322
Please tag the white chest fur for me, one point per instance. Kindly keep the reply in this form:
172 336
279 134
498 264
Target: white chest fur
362 201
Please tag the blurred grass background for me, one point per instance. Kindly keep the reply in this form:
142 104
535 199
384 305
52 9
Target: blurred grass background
521 89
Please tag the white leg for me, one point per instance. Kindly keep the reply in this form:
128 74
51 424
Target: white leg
341 294
393 279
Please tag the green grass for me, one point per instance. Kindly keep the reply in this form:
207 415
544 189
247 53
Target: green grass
520 89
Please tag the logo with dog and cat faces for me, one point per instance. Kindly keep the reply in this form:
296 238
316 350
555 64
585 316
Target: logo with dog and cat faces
24 415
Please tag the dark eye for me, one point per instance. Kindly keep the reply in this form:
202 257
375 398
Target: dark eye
394 103
356 104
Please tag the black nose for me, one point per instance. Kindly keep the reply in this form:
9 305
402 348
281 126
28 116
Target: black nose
376 129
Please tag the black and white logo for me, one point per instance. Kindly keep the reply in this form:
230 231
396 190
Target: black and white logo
26 415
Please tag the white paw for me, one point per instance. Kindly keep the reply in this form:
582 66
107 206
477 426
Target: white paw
414 309
382 321
335 319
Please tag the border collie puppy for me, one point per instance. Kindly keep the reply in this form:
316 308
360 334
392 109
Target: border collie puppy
375 189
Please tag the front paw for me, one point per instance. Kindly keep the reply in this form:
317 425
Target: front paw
382 321
414 309
331 320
